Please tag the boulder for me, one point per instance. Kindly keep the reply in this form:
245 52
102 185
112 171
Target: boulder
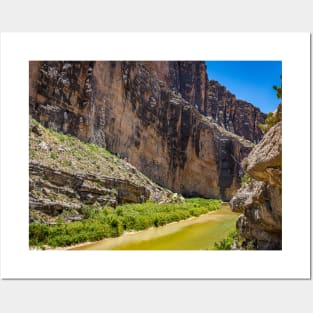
260 200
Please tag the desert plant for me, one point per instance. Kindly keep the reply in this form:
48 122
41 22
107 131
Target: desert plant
246 179
228 242
273 117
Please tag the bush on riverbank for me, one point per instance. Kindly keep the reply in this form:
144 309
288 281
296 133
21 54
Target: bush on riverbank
233 241
228 242
113 222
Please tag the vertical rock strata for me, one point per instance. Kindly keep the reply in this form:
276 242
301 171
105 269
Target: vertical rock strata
189 79
152 113
260 200
237 116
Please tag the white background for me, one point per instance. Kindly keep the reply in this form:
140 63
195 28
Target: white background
172 295
292 262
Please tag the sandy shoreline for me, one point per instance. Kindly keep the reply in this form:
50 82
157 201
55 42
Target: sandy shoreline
129 234
166 229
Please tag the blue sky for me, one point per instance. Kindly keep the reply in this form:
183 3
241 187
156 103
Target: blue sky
251 81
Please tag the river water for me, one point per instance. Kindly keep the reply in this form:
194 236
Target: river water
199 233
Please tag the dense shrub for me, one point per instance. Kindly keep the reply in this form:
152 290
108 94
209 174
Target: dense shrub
38 233
106 223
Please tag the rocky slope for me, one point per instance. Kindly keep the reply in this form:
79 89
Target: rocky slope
67 174
147 112
260 200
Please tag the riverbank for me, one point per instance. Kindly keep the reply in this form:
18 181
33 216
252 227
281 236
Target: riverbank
110 223
195 233
131 235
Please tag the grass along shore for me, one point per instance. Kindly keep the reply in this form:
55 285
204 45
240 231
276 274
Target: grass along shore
109 222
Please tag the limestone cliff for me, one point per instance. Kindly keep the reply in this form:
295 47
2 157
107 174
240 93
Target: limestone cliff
210 98
260 200
147 112
237 116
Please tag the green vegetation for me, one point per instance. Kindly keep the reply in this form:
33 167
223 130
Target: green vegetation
53 155
273 117
234 241
271 120
111 222
246 179
228 242
279 91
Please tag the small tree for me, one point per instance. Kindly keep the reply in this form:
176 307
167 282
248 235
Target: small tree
278 90
273 117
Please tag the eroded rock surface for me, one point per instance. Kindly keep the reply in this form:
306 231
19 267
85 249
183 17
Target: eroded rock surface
152 113
53 190
237 116
210 98
67 176
260 200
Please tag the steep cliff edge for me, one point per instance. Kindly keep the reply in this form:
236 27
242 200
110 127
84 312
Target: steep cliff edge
260 200
133 109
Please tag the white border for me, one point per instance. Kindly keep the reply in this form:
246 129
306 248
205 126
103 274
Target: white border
16 259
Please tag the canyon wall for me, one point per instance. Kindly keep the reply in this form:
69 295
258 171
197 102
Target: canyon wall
210 98
237 116
260 199
151 113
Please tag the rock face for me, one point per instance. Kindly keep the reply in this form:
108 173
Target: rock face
67 176
61 190
260 200
237 116
190 80
147 112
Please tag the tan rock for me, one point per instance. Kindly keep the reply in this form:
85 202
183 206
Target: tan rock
260 200
265 159
53 190
136 111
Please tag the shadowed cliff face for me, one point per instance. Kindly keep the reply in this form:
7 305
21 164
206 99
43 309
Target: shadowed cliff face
134 109
190 80
62 95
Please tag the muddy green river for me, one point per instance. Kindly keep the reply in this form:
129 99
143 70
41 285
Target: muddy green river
198 233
